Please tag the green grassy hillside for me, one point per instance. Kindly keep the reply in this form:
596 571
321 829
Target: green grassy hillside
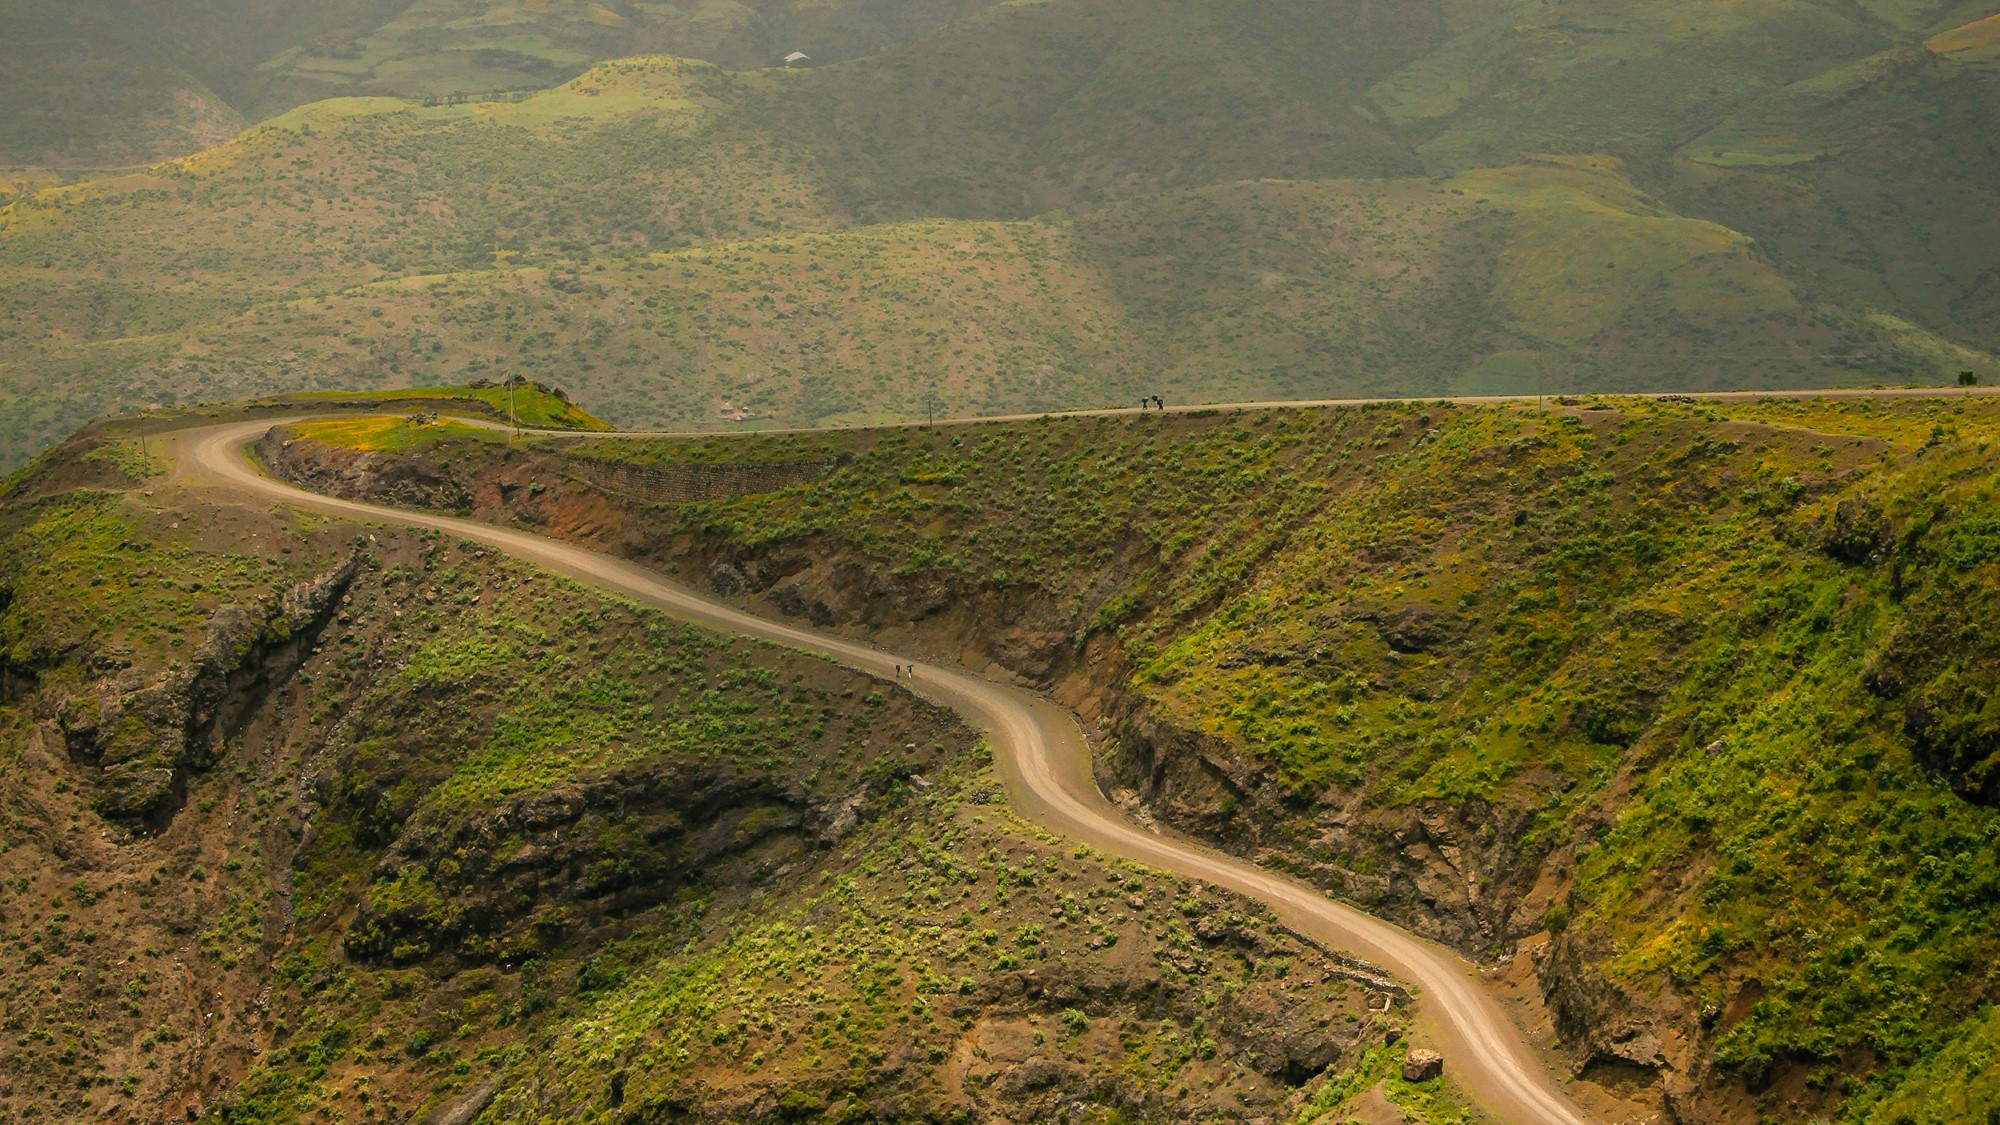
441 48
1559 274
1629 77
1695 700
346 822
1869 179
1667 656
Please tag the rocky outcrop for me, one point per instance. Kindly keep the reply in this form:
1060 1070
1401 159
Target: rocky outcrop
484 880
18 677
1941 667
1600 1024
145 729
377 478
1455 872
1420 1065
1256 1029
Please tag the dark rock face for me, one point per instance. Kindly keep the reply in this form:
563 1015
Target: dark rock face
497 881
1455 872
377 478
1409 628
1038 1074
145 733
1599 1022
725 580
1279 1047
17 679
1031 652
1855 532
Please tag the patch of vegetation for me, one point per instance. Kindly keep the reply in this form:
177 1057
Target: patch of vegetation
525 403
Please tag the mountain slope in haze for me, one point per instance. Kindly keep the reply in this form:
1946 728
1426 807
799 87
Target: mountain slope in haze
87 92
1627 76
1269 290
1038 106
1852 140
440 48
114 83
1240 201
1874 178
372 242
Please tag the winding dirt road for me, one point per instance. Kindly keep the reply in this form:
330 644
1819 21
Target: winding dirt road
1045 761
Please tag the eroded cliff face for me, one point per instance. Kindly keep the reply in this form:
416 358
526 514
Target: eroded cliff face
496 881
145 728
407 482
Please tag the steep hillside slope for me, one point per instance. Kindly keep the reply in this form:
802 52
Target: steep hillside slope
441 48
1683 710
1627 77
1488 283
301 819
88 91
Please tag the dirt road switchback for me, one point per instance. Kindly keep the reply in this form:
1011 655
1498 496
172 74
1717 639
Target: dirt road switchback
1045 761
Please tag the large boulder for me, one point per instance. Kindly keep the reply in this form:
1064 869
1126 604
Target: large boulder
1421 1065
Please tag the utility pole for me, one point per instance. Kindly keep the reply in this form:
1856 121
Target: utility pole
513 419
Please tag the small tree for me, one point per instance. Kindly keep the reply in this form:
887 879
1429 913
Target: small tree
1967 379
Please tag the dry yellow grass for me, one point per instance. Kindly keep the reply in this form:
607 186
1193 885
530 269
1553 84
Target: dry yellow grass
1980 36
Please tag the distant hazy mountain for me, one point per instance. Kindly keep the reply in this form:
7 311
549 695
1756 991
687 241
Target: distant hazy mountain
1022 206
